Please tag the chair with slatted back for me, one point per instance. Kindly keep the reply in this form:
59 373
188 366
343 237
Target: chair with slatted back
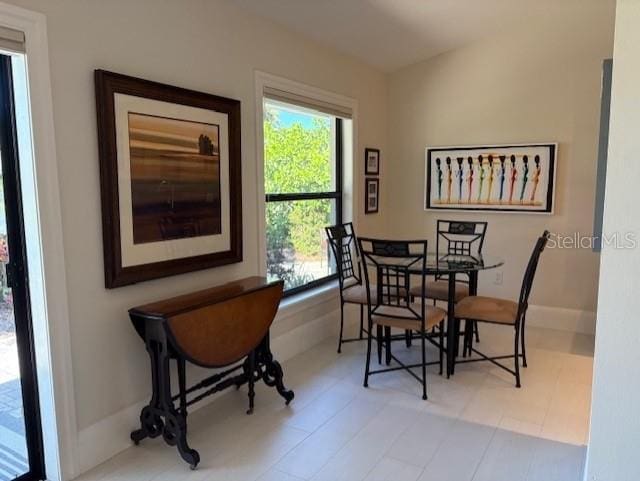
455 238
504 312
344 246
390 304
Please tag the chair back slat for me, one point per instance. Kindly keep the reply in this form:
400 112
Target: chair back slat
344 246
460 237
388 264
529 274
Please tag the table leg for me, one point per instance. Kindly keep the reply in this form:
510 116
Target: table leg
473 291
160 416
473 283
272 374
452 331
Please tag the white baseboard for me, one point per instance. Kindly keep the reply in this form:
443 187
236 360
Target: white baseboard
303 338
109 436
106 438
562 319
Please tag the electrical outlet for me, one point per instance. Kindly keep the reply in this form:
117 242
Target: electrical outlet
497 280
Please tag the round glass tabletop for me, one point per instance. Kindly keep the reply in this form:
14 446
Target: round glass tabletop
443 263
461 263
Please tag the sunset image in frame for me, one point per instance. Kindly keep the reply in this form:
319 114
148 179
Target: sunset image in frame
175 178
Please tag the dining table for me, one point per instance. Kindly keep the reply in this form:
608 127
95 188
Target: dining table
450 267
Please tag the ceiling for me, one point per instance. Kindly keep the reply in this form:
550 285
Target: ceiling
390 34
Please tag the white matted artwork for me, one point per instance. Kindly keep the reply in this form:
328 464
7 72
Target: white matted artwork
371 161
372 195
502 178
170 179
146 131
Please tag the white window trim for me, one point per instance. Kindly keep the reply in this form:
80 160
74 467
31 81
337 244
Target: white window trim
53 353
301 301
349 188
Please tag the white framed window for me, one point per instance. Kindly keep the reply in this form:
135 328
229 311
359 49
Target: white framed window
303 163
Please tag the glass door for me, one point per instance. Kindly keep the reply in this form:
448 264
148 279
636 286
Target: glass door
20 434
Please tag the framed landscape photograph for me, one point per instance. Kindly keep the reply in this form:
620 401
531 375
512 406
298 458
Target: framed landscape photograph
372 195
500 178
371 161
170 179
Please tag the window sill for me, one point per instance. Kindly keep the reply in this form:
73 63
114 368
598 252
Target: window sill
304 300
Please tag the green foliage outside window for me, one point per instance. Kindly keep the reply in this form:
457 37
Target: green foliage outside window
297 159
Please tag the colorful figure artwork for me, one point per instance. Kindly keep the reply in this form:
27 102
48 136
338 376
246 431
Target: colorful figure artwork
513 176
536 177
502 175
499 178
439 178
459 176
525 176
481 182
490 159
449 179
470 178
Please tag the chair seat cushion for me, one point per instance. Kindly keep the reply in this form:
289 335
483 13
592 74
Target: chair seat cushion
490 309
357 294
384 316
439 290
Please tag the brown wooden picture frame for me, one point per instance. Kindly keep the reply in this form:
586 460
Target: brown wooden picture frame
371 181
107 85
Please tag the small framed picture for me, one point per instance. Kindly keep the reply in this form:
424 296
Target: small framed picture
371 195
371 161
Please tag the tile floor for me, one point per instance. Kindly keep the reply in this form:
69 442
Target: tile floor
13 449
475 426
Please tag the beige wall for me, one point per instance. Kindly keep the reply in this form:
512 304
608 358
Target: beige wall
205 45
615 424
535 85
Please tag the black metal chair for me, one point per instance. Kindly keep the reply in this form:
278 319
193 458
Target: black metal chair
504 313
455 238
344 245
390 305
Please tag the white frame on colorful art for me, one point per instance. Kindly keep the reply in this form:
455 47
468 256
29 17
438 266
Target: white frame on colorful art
552 184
